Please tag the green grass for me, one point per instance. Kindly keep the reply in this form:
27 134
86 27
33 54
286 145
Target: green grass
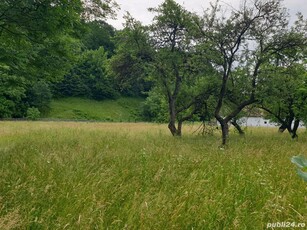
65 175
122 109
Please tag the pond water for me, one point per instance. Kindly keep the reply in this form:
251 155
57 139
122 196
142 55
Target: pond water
256 122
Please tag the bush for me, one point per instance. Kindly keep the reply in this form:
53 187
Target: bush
155 108
33 113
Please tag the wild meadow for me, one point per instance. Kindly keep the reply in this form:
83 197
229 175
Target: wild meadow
66 175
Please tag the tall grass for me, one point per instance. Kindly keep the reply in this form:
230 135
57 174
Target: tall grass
136 176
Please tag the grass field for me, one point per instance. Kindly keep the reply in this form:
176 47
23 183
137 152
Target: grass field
72 108
65 175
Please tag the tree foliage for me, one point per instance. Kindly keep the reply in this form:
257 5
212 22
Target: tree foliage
39 40
240 44
129 65
88 78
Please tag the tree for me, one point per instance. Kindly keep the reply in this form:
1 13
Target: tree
285 80
97 34
89 78
239 45
129 65
176 64
283 99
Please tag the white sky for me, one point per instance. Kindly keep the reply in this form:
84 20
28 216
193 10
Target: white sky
138 8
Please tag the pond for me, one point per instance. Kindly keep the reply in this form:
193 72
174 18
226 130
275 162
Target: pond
256 122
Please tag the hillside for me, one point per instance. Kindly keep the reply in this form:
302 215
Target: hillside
122 109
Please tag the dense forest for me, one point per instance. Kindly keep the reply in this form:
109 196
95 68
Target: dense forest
186 66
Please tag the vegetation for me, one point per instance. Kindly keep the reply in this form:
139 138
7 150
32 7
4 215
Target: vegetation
120 110
301 163
189 67
136 176
217 64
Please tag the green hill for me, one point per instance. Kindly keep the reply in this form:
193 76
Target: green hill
122 109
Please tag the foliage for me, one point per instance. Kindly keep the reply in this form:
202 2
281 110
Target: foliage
98 10
40 40
99 33
301 163
154 108
39 96
33 113
239 44
175 67
32 30
12 92
285 74
89 78
133 55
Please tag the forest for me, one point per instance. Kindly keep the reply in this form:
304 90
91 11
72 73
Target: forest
187 66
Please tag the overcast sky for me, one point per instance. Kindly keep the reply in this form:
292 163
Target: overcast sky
138 8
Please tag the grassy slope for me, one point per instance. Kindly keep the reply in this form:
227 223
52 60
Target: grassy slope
123 109
65 175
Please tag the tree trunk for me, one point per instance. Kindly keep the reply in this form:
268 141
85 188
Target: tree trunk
282 128
175 131
225 132
238 127
172 120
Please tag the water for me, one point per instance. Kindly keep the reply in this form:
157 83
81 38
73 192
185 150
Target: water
256 122
259 122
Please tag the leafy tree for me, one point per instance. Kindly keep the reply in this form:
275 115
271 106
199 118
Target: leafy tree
99 33
89 78
239 44
155 107
283 100
129 65
284 79
176 68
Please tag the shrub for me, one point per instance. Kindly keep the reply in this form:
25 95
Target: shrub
33 113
